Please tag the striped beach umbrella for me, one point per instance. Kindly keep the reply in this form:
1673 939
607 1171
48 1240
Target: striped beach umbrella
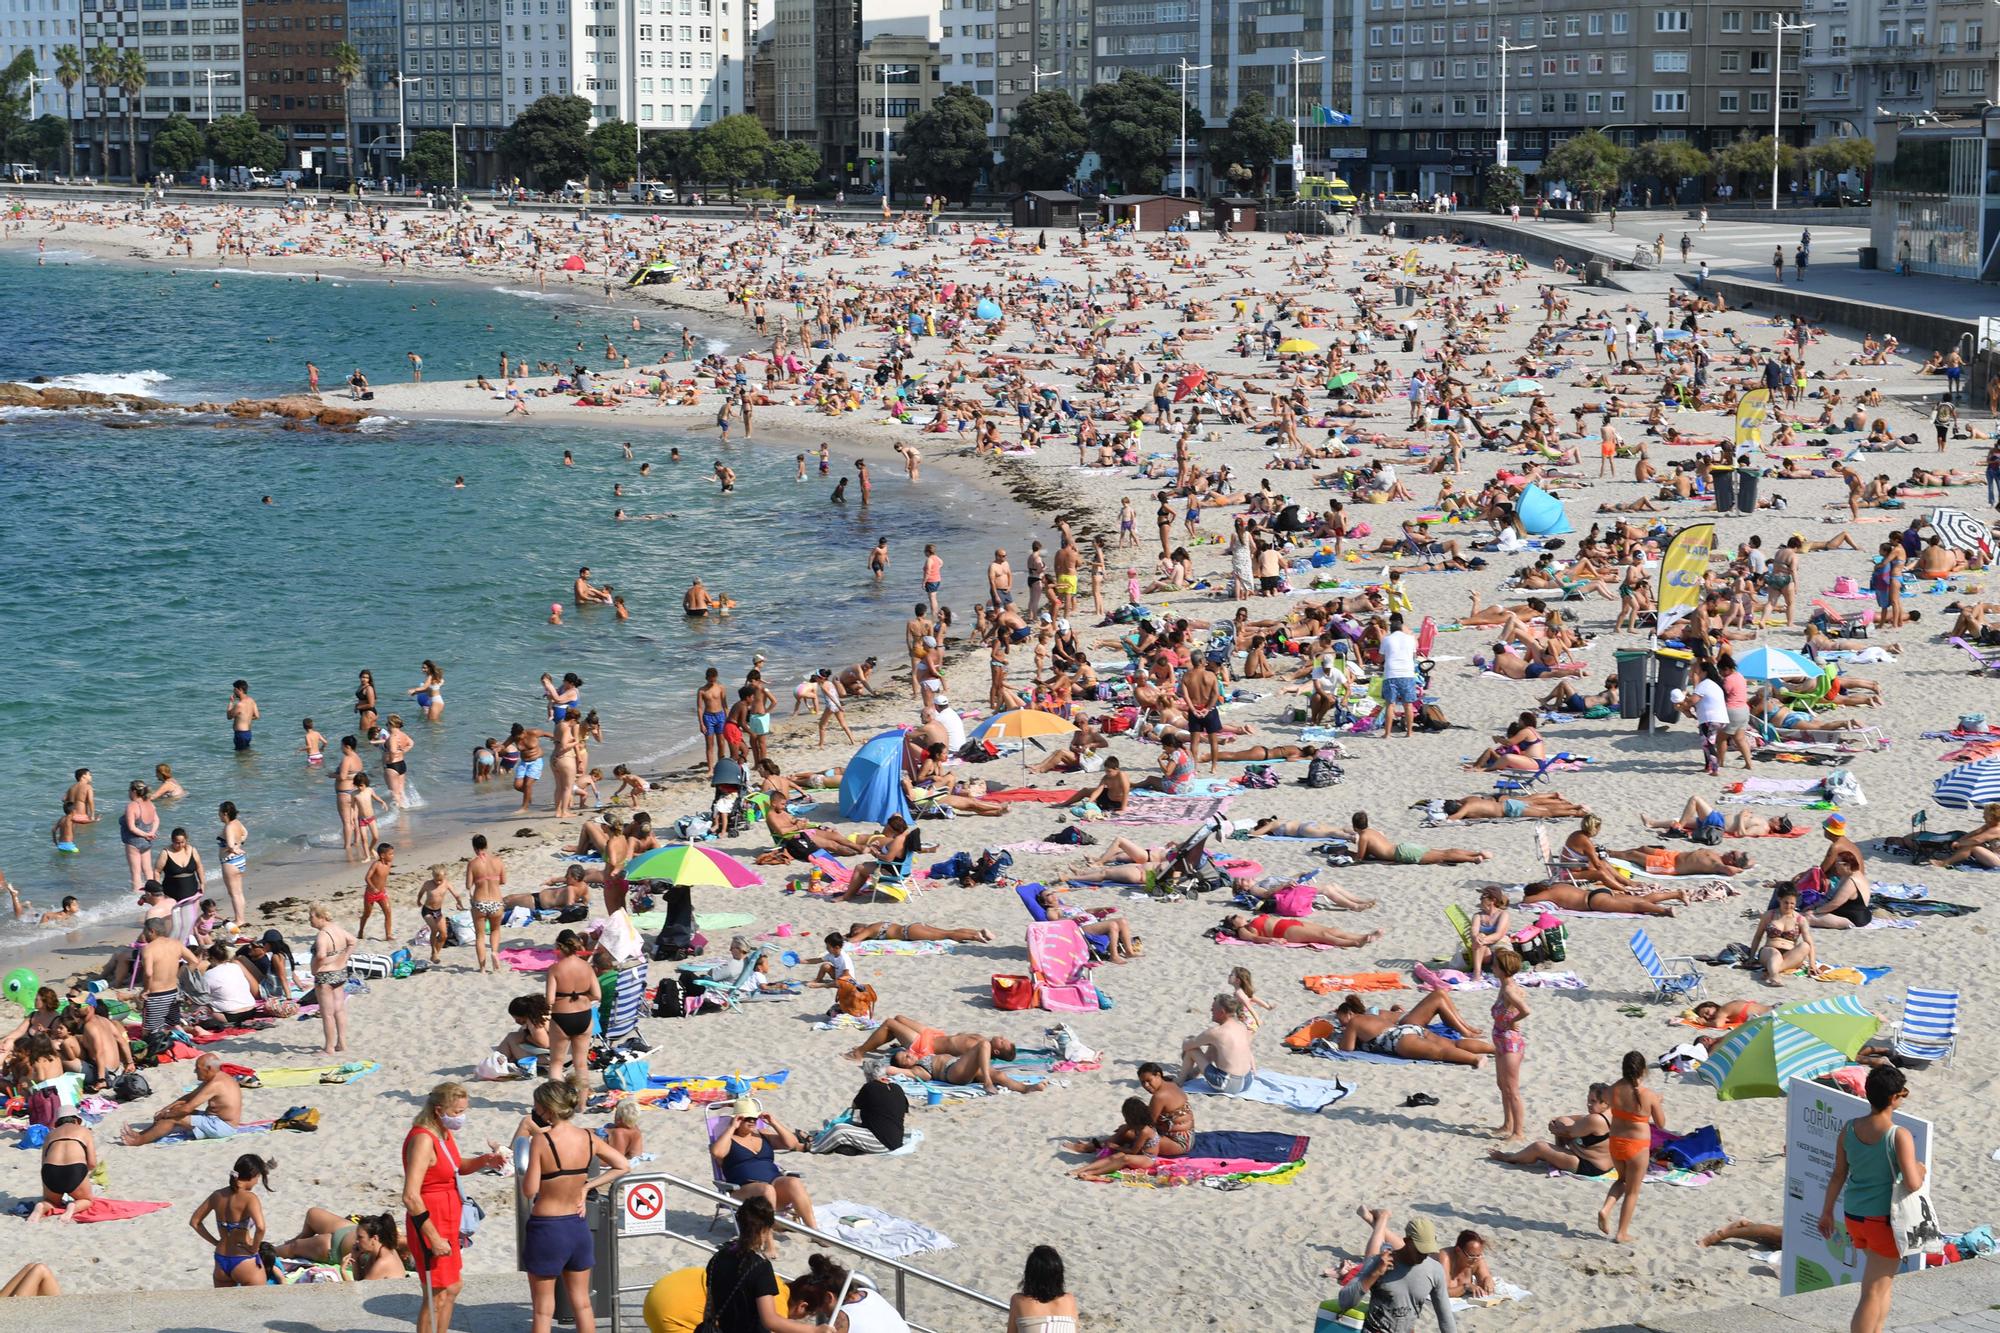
1802 1040
1960 530
693 867
1768 663
1969 786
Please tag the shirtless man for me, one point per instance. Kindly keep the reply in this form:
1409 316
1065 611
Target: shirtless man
160 958
485 875
213 1110
1551 805
531 762
566 890
585 591
242 712
83 797
1000 581
695 602
430 907
802 839
1740 823
1063 587
958 1058
1220 1057
711 710
1203 693
107 1048
1372 845
1655 860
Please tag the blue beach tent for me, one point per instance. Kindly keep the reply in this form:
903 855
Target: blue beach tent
1541 514
872 787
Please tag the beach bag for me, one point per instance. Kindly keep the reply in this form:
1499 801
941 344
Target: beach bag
1260 776
458 928
1911 1216
130 1087
1696 1149
44 1104
371 965
669 998
992 863
629 1076
1844 586
1708 835
1545 940
1322 772
857 1001
1012 992
1431 717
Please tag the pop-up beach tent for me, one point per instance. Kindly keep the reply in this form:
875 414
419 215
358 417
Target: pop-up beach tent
872 788
1541 514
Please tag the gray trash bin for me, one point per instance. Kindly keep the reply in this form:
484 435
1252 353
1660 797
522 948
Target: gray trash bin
1631 684
1673 675
1746 491
1724 481
1595 271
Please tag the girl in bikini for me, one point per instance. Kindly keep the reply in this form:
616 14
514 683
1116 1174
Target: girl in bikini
1783 940
1509 1045
239 1218
1134 1145
1634 1110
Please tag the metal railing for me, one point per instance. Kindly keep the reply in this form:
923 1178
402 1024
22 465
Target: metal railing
623 1221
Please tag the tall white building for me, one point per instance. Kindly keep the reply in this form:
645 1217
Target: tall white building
662 64
41 26
967 47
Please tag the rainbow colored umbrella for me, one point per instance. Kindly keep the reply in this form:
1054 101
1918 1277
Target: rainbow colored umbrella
691 867
1802 1040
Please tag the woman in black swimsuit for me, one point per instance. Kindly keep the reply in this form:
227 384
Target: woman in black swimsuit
180 873
1579 1140
572 996
69 1155
364 703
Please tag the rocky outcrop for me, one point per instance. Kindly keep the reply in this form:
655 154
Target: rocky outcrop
296 410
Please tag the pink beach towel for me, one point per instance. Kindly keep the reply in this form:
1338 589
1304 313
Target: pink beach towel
533 958
116 1210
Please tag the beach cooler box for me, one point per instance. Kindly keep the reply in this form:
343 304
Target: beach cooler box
1330 1318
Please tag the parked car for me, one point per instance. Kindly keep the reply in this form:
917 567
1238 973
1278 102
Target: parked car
1840 198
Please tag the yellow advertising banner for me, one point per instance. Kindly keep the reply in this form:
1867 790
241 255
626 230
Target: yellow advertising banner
1682 569
1750 415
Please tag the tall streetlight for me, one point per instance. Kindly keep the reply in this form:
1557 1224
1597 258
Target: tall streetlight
31 79
1037 74
1186 69
456 126
401 80
1500 145
888 193
208 77
1298 145
1778 31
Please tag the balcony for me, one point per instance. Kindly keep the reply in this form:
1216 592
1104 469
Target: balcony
1897 53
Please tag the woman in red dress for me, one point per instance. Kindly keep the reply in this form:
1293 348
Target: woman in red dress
431 1168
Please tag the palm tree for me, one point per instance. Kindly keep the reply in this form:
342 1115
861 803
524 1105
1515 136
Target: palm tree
348 69
102 66
69 73
131 82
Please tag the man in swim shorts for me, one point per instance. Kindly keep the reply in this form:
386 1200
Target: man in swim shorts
1220 1057
242 712
214 1110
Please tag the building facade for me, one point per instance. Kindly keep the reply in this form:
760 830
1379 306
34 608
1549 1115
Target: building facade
41 26
193 51
451 66
969 52
1432 82
289 83
1866 57
375 29
896 77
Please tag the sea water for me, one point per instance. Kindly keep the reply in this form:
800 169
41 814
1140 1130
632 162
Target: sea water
141 573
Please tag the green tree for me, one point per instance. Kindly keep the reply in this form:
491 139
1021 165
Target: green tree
792 165
1839 156
14 110
1590 163
178 144
131 82
69 73
1669 161
549 143
239 141
1503 188
43 140
1132 123
946 147
614 153
1045 141
102 66
429 159
348 71
1752 158
732 150
668 153
1251 139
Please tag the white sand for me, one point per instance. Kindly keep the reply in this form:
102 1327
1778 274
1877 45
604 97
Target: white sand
991 1172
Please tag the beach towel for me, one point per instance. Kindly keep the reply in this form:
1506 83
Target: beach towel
1038 848
899 948
532 958
247 1127
1330 983
1169 810
650 922
1504 1292
1455 979
1226 938
919 1090
878 1232
1292 1091
1225 1159
1031 795
101 1209
295 1078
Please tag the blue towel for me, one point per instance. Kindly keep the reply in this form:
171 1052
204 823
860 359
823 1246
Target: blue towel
1251 1146
1288 1090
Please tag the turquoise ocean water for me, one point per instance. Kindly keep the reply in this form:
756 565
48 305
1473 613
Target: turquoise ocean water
140 573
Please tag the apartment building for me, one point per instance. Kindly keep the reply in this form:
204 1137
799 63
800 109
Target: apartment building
289 83
1687 69
1040 44
1903 57
969 51
897 76
788 88
193 51
375 30
451 61
41 26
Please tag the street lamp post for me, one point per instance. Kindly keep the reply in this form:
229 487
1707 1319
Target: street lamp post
1186 69
456 126
1037 74
1778 31
1298 147
401 80
1500 145
888 191
208 77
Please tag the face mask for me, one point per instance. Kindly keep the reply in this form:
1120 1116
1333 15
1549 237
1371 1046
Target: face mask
454 1123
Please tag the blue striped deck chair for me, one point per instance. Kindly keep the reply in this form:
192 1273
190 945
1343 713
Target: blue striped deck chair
1684 983
1928 1030
621 1019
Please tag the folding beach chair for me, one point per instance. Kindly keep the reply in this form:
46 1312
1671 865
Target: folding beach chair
726 1212
899 880
1462 924
620 1020
1681 984
1525 781
1928 1029
1984 663
1059 960
1100 945
739 982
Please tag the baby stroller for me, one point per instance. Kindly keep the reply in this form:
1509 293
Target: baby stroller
1188 870
726 814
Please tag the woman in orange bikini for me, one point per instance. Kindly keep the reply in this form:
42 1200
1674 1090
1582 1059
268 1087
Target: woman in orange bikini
1634 1110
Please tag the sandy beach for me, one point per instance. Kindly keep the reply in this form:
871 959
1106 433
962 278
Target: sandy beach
990 1173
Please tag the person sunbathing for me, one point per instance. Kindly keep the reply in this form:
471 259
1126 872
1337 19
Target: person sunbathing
213 1110
1981 846
1097 920
1585 897
1371 845
958 1058
1783 940
1576 1143
1786 718
371 1249
572 888
1727 1013
1133 1146
1301 829
1290 930
1302 899
1550 805
1260 753
1567 698
1405 1034
916 931
1739 823
1220 1056
1761 1235
1695 861
800 840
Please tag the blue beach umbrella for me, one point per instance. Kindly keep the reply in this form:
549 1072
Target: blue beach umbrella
1969 786
1674 335
1768 663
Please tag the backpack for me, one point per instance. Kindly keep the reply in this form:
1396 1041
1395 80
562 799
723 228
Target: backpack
1546 941
1430 717
1322 772
1260 776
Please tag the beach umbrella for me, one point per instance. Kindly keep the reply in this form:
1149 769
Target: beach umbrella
1519 387
689 866
1768 663
1802 1040
1960 530
1674 335
1020 724
1189 383
1293 346
1343 379
574 264
1969 786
